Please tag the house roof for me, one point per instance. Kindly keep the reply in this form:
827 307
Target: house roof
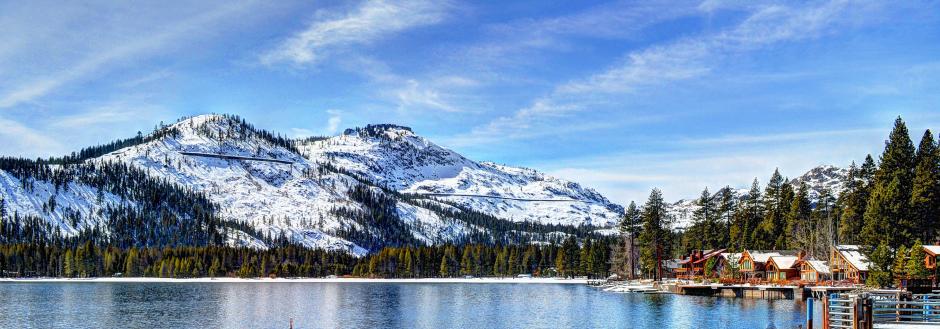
762 256
819 266
853 254
784 262
932 249
709 254
706 254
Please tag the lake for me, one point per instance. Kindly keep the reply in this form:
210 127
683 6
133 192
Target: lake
374 305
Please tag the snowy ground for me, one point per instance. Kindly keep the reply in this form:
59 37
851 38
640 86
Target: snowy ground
310 280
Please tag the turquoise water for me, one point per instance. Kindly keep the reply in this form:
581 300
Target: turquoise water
373 305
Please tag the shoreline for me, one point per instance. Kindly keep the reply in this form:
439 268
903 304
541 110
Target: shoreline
297 280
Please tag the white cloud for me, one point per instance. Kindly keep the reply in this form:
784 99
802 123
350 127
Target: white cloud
614 20
104 52
370 21
685 59
332 124
20 140
415 95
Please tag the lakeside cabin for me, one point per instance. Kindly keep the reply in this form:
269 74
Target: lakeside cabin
781 269
849 264
930 261
693 266
814 271
753 263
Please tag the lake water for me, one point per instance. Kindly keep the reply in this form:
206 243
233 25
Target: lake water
374 305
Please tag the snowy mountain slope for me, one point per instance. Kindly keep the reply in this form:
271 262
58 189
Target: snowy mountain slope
67 208
826 177
296 200
394 156
353 192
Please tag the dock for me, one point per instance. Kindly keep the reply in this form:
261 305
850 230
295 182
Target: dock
759 291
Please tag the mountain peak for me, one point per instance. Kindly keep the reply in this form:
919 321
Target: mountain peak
384 130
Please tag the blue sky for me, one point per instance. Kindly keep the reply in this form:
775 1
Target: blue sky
620 96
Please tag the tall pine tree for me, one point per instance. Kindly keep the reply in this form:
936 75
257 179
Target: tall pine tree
799 231
655 238
925 194
775 203
887 215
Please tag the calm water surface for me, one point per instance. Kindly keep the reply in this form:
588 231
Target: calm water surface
374 305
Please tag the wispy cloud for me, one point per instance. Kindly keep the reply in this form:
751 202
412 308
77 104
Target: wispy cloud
688 58
125 48
332 124
408 93
779 137
368 22
614 20
22 140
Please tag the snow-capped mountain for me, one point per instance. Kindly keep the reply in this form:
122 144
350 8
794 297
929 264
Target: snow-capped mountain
821 178
354 192
396 157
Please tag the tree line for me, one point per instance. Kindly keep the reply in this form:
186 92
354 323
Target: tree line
85 260
884 206
567 259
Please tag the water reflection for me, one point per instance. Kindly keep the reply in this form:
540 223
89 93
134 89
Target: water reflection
381 305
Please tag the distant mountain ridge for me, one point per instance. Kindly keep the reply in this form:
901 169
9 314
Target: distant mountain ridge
817 179
354 192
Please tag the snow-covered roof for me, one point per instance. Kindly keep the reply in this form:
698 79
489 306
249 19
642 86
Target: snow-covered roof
819 265
933 249
784 262
853 254
762 256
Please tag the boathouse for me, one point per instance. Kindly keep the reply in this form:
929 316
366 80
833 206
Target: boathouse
849 264
814 271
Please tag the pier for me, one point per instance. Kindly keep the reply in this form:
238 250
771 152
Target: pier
759 291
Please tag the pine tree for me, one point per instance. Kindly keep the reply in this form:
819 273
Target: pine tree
705 231
899 268
879 274
444 269
823 217
623 254
561 264
799 229
916 268
655 237
925 195
746 217
887 216
777 194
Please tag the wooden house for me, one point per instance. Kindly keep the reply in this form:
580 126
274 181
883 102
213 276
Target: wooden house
931 262
693 266
814 271
752 264
849 264
782 268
